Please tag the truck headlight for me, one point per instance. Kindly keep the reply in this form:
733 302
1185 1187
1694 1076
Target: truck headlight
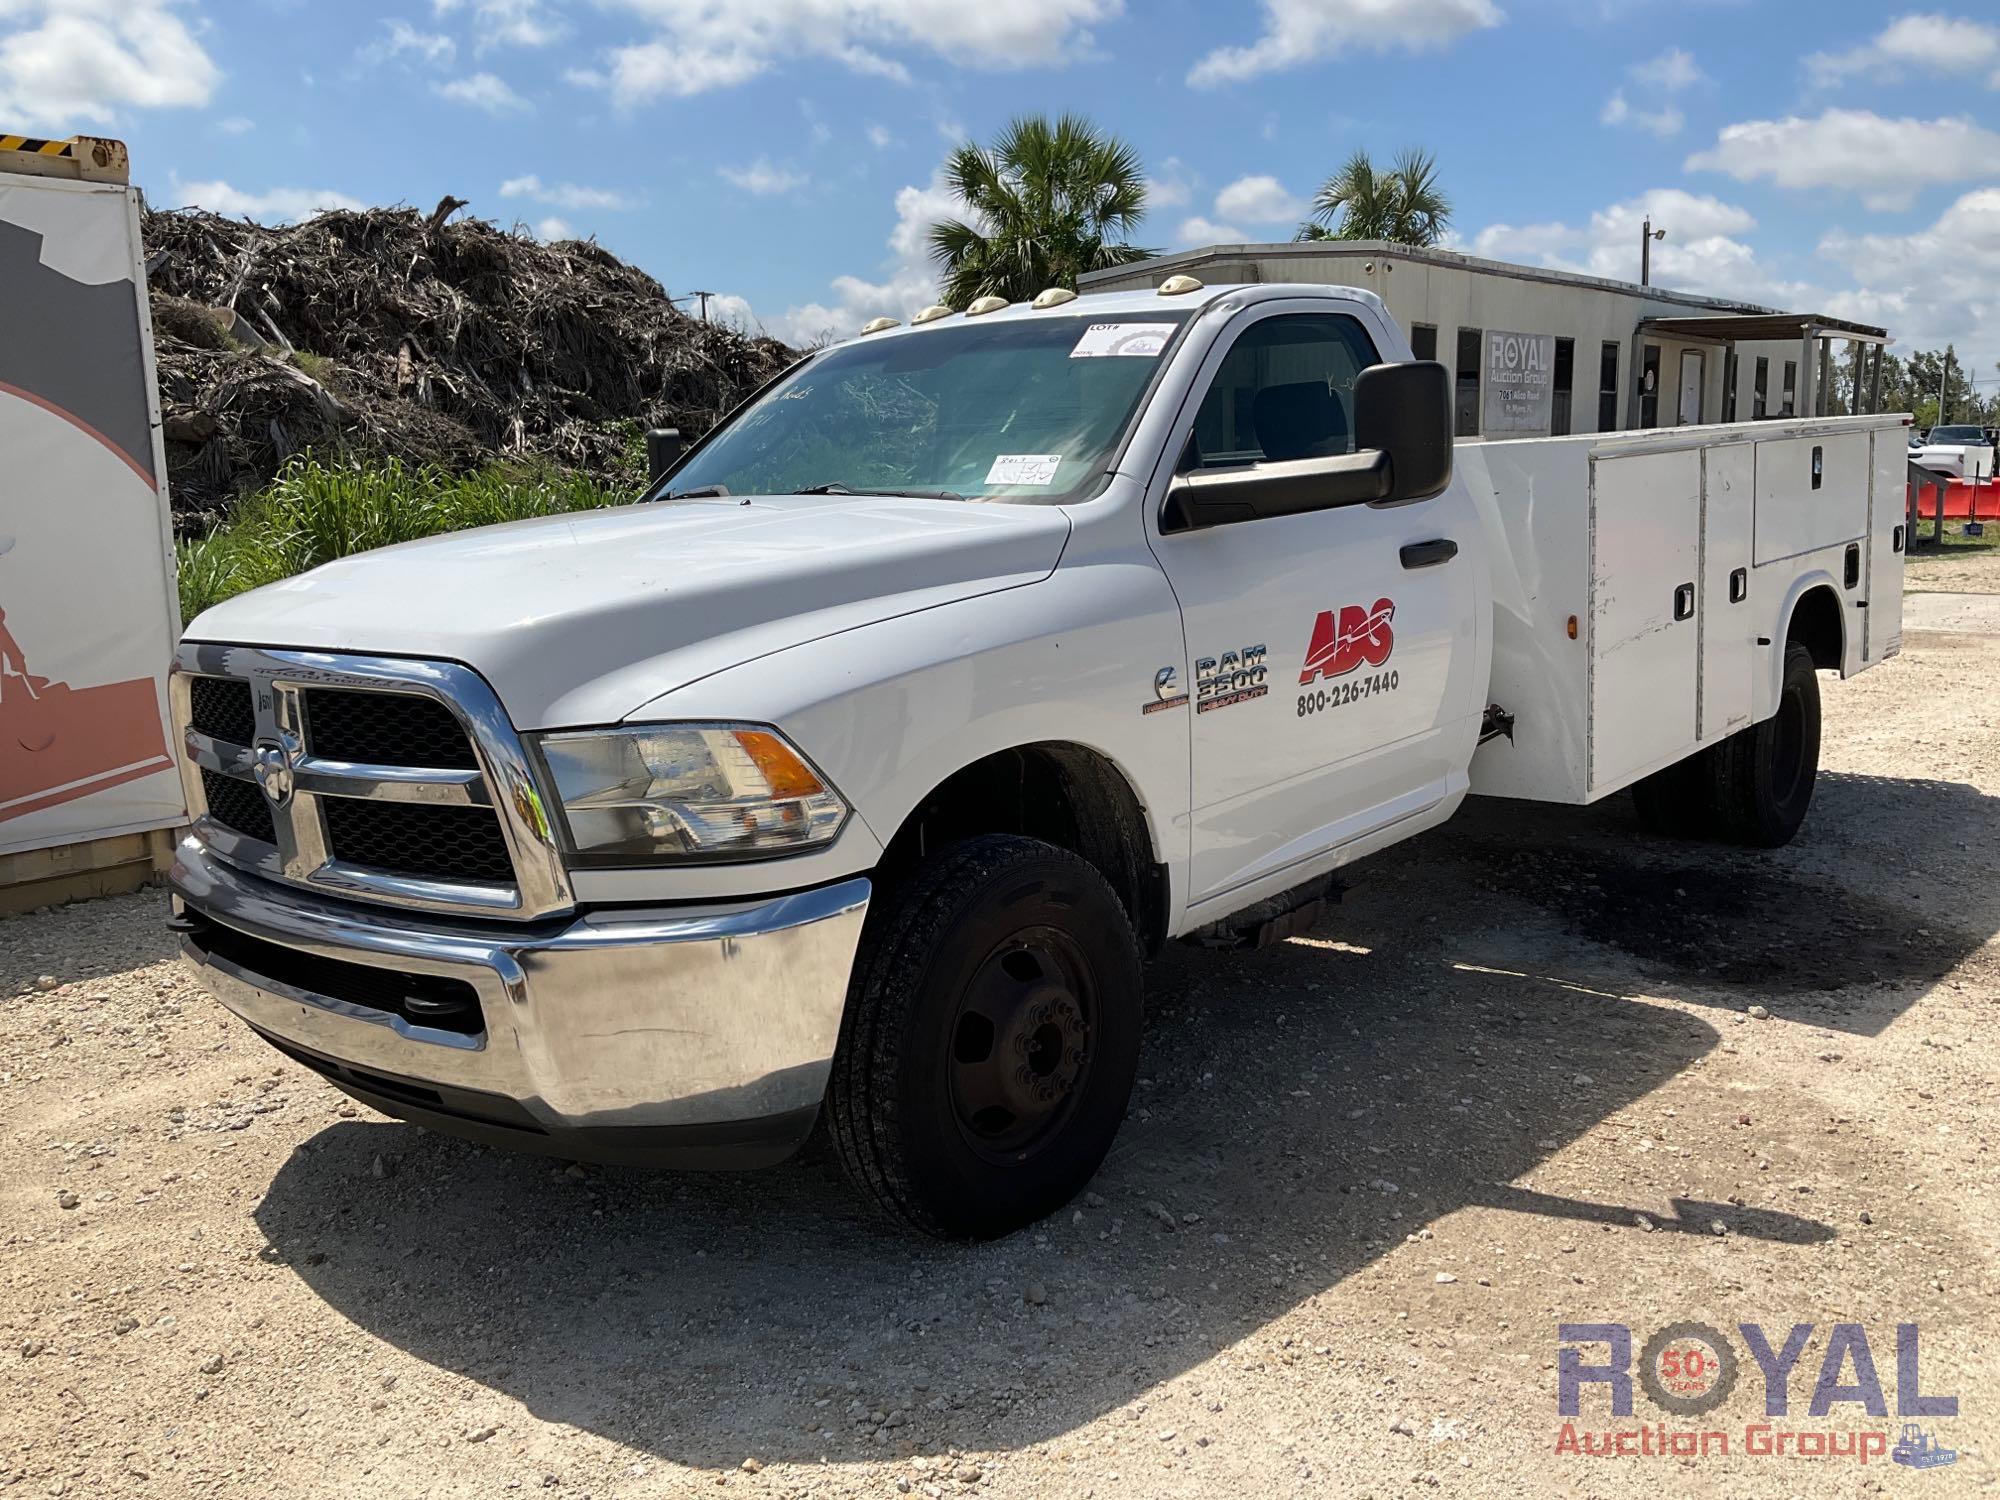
688 792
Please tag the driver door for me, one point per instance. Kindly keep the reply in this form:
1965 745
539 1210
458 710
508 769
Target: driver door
1332 651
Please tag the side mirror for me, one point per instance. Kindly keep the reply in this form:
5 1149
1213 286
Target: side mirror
1405 412
663 451
1402 432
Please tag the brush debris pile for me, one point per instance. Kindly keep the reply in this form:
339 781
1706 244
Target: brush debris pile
392 333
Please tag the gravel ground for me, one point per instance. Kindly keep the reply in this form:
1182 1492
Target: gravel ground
1534 1070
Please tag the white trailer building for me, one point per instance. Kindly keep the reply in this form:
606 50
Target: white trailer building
1538 352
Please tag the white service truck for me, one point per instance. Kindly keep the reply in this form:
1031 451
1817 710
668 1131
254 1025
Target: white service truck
855 774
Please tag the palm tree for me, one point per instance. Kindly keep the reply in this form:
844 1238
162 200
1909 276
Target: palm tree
1048 202
1403 205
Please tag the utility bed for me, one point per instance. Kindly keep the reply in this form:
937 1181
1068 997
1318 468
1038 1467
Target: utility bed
1631 573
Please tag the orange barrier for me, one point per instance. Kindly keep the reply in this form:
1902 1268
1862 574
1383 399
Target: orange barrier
1963 501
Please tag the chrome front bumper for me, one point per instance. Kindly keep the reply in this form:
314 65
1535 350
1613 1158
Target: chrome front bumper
668 1036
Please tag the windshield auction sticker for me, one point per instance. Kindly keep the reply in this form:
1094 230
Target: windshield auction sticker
1130 340
1024 468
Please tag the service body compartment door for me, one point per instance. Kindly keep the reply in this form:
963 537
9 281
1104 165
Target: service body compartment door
1812 492
1645 569
1882 621
1728 623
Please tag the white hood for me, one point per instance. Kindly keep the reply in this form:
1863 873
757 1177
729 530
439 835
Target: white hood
581 619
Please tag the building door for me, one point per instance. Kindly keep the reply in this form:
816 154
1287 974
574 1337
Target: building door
1691 370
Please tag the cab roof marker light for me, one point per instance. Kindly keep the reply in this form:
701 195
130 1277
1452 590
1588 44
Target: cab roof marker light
932 313
985 305
876 325
1055 296
1179 286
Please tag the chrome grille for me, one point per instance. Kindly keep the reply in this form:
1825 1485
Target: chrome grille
385 729
238 806
221 707
378 778
425 843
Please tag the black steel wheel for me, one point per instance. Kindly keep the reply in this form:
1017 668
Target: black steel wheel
991 1037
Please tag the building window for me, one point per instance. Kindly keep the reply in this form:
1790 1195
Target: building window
1565 382
1424 340
1760 396
1467 422
1649 386
1608 360
1729 385
1791 406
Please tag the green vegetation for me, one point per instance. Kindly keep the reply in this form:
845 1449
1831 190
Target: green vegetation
1955 538
1403 205
314 512
1049 202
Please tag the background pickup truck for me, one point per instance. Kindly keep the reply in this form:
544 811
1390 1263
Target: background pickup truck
1961 452
854 776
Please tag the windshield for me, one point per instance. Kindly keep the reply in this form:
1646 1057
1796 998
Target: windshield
1026 409
1958 435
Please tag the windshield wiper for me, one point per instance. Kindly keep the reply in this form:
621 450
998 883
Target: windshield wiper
699 492
835 487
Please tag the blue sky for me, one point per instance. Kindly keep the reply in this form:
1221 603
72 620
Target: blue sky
1833 156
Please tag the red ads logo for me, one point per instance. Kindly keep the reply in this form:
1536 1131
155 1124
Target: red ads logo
1339 645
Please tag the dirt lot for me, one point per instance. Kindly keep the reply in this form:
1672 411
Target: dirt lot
1514 1081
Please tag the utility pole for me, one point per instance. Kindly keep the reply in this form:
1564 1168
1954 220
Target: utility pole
1944 369
1647 234
704 304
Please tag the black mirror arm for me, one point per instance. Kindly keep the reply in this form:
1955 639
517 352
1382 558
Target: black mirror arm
1289 487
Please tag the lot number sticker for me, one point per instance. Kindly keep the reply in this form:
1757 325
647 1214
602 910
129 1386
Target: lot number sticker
1130 340
1024 468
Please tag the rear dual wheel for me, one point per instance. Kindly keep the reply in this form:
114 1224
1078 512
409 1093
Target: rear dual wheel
991 1038
1753 788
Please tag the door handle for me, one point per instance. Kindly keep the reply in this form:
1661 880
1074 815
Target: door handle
1429 554
1684 601
1739 585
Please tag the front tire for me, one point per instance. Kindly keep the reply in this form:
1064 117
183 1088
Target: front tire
991 1038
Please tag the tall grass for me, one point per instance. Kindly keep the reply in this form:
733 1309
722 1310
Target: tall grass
314 512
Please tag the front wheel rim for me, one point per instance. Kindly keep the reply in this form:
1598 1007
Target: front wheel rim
1020 1052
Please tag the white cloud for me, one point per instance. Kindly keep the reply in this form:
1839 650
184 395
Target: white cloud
234 125
401 38
1172 187
1915 45
1673 71
1259 200
553 228
1885 161
65 63
762 178
278 205
504 23
1703 252
879 137
1934 286
1200 231
1664 123
569 195
483 91
732 311
1297 32
910 280
700 45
